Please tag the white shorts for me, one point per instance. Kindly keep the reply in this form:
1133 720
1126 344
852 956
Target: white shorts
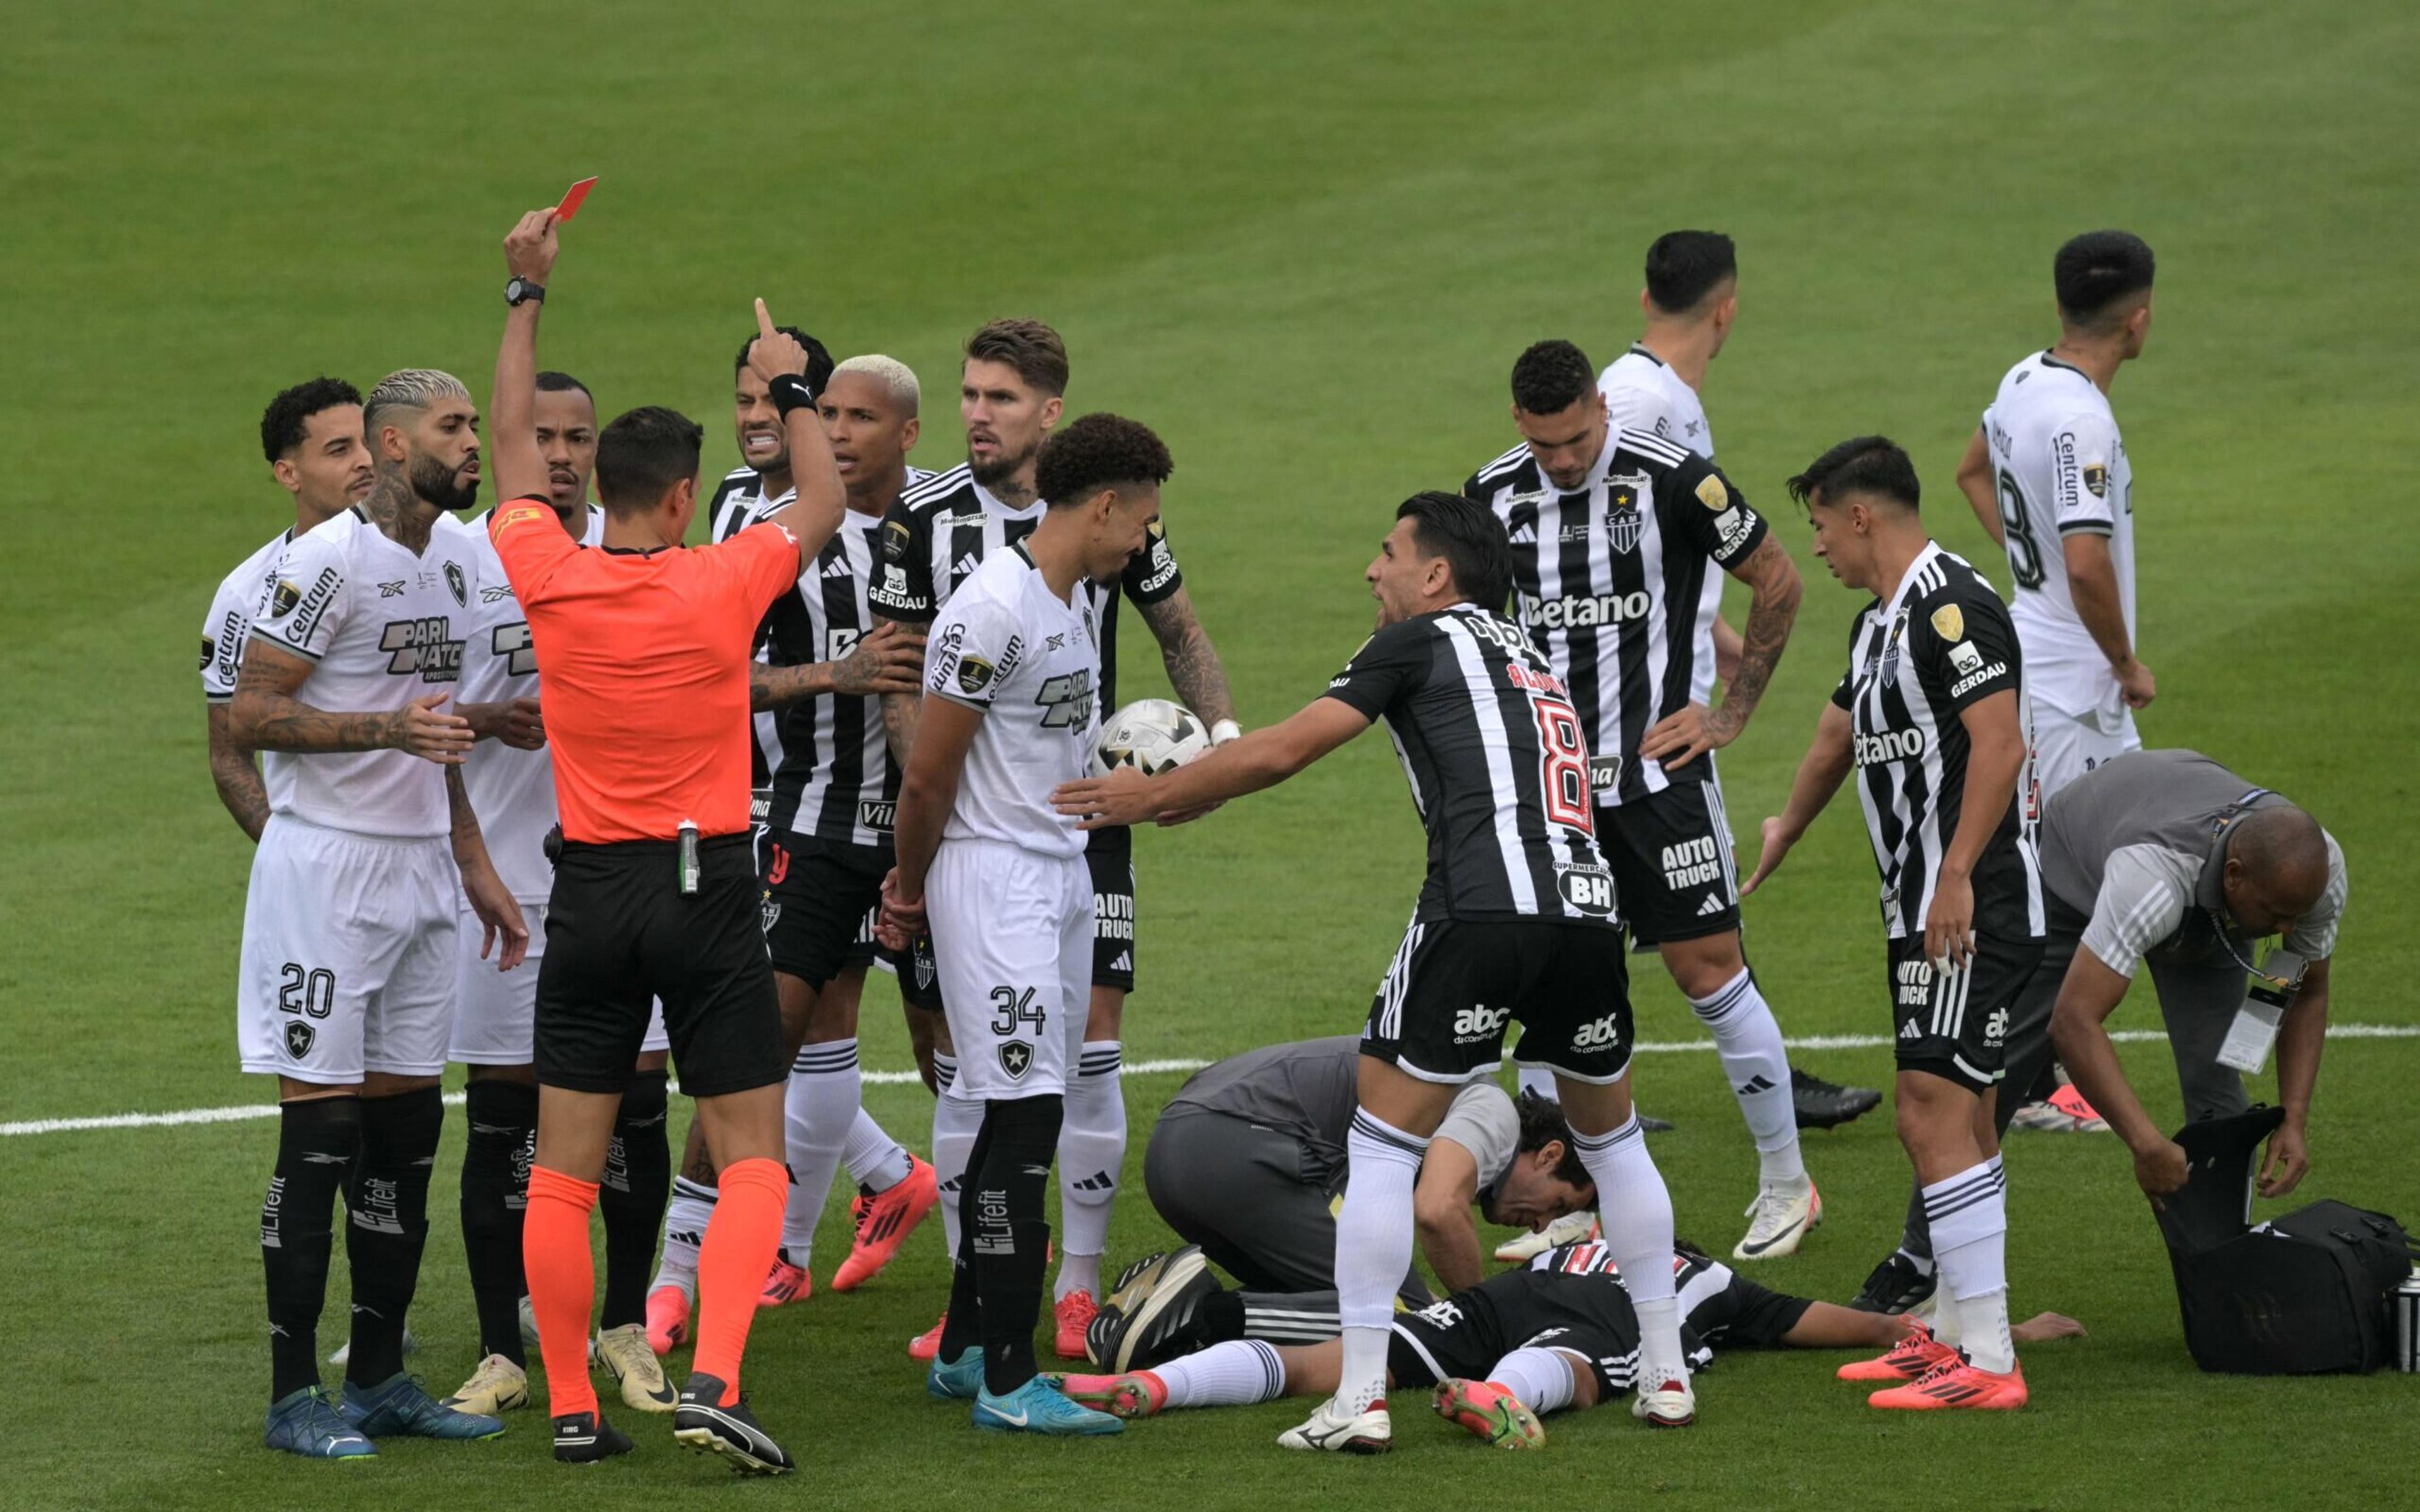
2067 745
495 1011
1013 938
347 961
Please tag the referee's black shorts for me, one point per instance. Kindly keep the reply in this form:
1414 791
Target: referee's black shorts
620 933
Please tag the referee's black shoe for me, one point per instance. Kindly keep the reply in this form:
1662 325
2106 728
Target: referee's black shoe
1823 1105
1895 1287
732 1431
585 1438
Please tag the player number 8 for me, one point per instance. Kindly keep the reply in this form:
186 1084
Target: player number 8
1563 764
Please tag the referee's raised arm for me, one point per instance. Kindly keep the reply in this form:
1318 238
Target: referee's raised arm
530 251
816 509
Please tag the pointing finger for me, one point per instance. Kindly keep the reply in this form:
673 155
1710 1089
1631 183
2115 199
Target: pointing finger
763 321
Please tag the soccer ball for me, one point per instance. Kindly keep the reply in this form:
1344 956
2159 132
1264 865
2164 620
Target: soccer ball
1153 736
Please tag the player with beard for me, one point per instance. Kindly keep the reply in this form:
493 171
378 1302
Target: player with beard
510 775
312 437
1010 398
346 982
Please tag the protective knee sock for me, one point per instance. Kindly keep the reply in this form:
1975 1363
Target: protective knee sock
1749 1043
684 1220
638 1180
502 1120
1969 1213
1091 1151
1235 1374
731 1265
562 1284
874 1160
961 1324
1008 1235
956 1121
1541 1378
388 1198
1636 1213
318 1142
821 1101
1374 1246
1540 1080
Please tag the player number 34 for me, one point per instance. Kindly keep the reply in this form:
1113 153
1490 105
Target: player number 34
1011 1007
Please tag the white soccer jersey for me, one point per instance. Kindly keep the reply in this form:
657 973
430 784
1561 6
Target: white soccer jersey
229 628
1642 393
1029 660
381 627
2059 470
511 791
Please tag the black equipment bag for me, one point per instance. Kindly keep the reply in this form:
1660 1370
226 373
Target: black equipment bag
2307 1294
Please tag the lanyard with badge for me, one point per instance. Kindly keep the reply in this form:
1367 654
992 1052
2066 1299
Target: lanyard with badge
2271 983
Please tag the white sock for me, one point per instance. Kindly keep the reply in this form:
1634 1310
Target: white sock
1091 1150
1636 1213
817 1106
1374 1249
684 1220
1235 1374
1969 1214
1749 1043
1540 1080
1541 1378
955 1122
875 1161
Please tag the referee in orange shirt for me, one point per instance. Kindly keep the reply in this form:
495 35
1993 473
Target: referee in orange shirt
646 643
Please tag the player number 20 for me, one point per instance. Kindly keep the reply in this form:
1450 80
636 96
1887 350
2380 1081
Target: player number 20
312 992
1563 764
1011 1008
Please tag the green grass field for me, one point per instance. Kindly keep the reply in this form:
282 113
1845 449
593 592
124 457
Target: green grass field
1305 242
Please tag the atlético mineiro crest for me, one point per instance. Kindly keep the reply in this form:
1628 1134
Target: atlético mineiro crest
298 1038
455 582
1623 522
1016 1059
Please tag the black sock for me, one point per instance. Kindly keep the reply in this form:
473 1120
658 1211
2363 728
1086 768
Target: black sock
1916 1235
317 1142
389 1198
638 1183
1009 1235
503 1118
963 1328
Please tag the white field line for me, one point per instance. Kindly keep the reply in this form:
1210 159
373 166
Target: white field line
1142 1068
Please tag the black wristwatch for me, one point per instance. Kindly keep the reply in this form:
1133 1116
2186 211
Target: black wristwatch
520 290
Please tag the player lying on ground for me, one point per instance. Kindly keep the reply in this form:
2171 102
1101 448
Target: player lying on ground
1559 1333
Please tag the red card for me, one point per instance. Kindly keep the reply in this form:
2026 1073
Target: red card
571 198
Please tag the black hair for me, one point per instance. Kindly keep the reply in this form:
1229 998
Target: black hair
819 358
551 381
1551 377
2096 271
1471 540
1861 464
1541 1123
1028 346
1684 266
281 424
642 454
1097 452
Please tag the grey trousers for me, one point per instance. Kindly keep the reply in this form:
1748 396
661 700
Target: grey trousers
1249 1197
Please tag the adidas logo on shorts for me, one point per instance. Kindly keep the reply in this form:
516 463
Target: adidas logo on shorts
1909 1031
1712 905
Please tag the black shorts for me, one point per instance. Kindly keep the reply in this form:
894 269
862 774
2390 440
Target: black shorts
620 933
1957 1027
820 898
1455 985
1465 1336
1671 857
1113 914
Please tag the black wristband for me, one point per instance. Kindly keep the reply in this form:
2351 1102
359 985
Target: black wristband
790 391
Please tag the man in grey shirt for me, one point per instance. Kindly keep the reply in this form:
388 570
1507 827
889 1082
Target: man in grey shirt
2167 859
1247 1159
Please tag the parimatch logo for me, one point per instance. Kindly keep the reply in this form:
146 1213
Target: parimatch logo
423 646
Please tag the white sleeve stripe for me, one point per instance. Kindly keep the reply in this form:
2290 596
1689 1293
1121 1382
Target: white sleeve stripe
284 644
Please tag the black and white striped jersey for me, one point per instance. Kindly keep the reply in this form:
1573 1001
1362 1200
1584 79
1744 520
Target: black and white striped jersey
1616 580
737 501
836 780
1943 641
939 533
1497 763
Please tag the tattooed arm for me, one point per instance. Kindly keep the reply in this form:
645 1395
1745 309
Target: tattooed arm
236 775
889 663
499 912
1193 668
1691 732
266 716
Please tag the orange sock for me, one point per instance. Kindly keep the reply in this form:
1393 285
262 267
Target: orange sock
740 1240
562 1283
